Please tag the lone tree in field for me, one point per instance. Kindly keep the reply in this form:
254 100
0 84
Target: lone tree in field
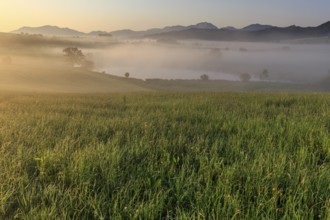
245 77
204 77
76 57
264 75
127 74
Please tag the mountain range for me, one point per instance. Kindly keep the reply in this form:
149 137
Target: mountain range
48 30
58 31
254 32
203 31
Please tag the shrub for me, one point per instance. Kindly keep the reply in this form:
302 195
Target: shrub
264 75
204 77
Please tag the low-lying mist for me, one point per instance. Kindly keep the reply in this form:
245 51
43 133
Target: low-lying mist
43 66
219 60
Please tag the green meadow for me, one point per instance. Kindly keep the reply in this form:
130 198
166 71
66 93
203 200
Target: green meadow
153 155
77 144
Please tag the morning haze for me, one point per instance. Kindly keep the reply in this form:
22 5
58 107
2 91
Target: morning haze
164 109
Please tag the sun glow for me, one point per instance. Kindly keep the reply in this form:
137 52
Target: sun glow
110 15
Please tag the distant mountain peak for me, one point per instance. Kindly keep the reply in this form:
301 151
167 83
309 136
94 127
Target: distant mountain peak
204 25
256 27
48 30
325 26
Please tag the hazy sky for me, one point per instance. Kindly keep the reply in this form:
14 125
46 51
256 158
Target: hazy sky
108 15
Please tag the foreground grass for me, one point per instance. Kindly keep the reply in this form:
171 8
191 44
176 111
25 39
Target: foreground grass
153 156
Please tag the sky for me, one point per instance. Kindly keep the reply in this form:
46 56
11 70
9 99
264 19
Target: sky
110 15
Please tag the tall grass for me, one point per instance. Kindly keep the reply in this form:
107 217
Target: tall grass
165 156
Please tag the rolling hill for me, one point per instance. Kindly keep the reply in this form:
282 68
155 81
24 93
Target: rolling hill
51 74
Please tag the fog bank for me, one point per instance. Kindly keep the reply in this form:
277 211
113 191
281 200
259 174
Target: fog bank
219 60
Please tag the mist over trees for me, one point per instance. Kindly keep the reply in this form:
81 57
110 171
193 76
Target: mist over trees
76 58
264 75
74 55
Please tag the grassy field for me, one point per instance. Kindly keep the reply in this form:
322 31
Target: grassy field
165 156
233 86
77 144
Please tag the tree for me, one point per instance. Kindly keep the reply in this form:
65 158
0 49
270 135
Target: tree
245 77
264 75
77 58
74 56
204 77
127 74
